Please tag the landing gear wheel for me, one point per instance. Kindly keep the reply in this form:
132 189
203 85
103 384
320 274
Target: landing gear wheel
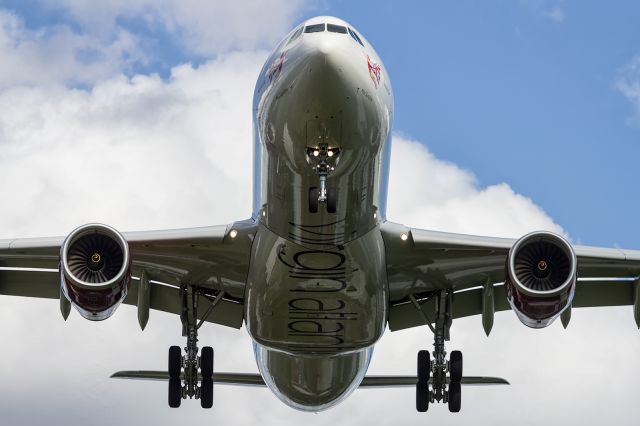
454 397
175 392
206 369
206 362
314 193
332 200
175 362
422 396
455 366
424 366
206 393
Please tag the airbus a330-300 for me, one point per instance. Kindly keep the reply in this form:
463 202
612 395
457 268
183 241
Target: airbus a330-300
317 273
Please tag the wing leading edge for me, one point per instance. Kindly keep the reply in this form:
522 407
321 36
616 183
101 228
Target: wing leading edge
421 262
212 258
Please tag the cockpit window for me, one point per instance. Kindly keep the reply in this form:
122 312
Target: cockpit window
355 37
295 35
316 28
336 28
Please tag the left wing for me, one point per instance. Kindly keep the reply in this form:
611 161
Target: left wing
213 258
421 262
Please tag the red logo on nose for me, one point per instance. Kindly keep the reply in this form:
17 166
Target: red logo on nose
374 71
275 68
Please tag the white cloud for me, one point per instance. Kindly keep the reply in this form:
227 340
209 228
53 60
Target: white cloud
176 153
427 192
628 84
58 55
143 152
203 27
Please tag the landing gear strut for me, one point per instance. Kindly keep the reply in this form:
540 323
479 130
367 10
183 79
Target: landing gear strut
185 372
323 160
442 389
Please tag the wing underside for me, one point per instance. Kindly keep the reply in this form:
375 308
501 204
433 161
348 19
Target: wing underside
205 258
420 263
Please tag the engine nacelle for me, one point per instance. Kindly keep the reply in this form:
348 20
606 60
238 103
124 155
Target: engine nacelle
95 270
541 278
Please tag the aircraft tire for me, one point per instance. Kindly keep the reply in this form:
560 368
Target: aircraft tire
422 397
206 393
455 366
455 396
314 193
332 200
206 363
175 362
424 366
175 392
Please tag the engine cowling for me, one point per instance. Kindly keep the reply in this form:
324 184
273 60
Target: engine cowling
541 278
95 270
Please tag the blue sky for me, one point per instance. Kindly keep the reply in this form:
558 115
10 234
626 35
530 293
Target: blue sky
522 92
506 91
510 116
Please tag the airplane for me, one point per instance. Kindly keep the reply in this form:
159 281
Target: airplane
317 273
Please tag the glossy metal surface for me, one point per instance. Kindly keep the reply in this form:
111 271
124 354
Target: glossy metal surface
312 383
316 289
316 301
322 91
320 286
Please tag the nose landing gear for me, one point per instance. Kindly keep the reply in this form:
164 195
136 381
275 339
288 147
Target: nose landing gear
323 160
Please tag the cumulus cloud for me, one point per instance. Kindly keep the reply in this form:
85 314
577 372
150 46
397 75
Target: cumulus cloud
628 84
58 55
143 152
175 152
203 27
432 193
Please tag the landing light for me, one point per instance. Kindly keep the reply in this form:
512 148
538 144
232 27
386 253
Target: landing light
316 153
404 237
233 233
330 153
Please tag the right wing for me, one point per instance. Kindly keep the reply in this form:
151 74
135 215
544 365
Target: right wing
428 261
206 257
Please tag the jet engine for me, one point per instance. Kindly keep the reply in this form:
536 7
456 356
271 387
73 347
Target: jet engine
95 270
540 278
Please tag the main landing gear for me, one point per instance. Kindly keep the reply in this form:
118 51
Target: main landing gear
192 375
323 160
443 389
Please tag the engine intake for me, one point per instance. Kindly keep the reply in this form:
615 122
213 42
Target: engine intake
95 270
541 278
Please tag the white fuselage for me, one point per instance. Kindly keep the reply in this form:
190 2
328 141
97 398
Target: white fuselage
317 298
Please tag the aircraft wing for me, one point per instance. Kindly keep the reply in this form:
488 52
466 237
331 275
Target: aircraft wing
208 258
420 262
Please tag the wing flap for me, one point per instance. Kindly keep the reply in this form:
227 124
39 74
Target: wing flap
589 293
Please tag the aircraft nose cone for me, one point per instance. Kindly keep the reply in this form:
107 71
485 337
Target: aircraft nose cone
328 53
